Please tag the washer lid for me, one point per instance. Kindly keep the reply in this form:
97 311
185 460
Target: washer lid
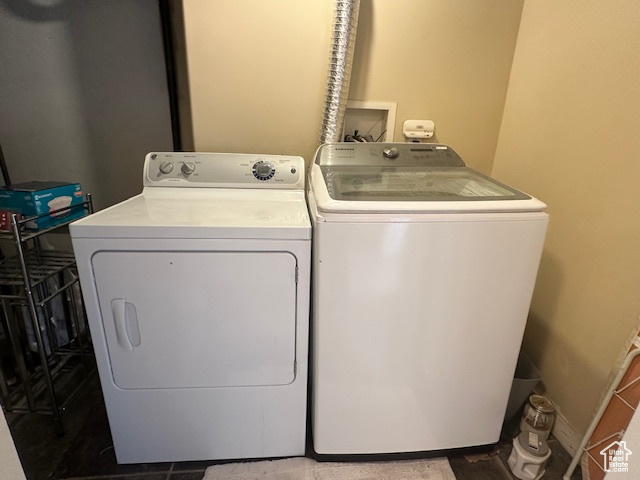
215 213
413 184
407 178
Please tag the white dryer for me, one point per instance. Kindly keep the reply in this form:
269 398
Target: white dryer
197 295
423 272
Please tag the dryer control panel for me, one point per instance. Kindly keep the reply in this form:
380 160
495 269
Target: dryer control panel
220 170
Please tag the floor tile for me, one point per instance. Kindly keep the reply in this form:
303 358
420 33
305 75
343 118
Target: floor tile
559 462
187 476
180 466
91 453
183 466
154 476
488 469
86 451
39 447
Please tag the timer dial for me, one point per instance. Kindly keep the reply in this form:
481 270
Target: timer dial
263 170
166 167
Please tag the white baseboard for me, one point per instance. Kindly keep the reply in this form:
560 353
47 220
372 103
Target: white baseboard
566 435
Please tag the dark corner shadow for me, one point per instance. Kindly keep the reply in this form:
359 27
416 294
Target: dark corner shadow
548 284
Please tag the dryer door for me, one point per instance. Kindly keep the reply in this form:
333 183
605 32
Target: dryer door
198 319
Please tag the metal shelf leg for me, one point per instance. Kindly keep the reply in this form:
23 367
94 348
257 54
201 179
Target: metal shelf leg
36 329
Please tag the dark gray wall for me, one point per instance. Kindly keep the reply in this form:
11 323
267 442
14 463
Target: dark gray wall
83 92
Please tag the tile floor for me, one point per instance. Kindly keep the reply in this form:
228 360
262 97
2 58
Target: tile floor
86 452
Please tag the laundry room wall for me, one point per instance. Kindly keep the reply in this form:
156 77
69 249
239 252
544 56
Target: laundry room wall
9 461
257 70
570 137
84 93
443 61
257 74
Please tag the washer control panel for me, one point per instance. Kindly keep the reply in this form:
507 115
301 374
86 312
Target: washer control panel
388 154
233 170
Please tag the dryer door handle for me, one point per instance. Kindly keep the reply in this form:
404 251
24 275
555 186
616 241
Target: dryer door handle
126 322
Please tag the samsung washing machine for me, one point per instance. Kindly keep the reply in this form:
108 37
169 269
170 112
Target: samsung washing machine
197 296
423 272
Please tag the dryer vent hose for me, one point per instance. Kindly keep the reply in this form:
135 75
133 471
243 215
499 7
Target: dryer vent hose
342 47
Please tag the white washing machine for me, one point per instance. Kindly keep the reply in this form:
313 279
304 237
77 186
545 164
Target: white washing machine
197 295
423 272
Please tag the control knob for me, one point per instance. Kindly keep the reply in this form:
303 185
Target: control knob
263 170
188 168
390 152
166 167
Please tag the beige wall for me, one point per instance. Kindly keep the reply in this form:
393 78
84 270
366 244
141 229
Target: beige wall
257 74
570 135
257 70
443 61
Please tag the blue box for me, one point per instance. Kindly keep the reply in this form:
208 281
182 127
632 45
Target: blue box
36 198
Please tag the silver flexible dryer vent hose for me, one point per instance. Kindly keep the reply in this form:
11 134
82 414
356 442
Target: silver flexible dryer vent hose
342 46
